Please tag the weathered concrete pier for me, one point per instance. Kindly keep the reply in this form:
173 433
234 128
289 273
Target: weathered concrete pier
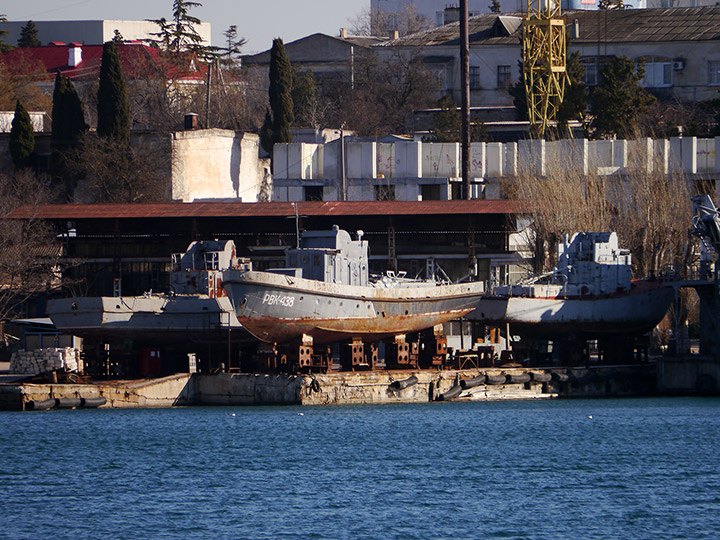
342 388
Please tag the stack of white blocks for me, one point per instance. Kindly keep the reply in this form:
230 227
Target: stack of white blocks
44 360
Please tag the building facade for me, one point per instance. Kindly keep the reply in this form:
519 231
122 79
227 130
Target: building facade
678 46
93 32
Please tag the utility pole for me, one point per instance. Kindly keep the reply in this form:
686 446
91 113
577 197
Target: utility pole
465 100
343 180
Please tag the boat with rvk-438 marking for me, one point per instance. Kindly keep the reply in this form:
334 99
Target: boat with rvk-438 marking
326 294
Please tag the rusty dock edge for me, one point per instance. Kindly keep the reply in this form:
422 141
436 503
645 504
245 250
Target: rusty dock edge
343 388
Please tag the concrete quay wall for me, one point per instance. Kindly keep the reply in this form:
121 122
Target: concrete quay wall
165 392
343 388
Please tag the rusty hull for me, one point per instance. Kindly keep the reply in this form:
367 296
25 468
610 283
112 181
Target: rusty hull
279 308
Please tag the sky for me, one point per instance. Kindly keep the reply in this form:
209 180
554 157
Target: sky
258 21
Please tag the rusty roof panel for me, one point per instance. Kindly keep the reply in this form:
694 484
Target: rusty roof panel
272 209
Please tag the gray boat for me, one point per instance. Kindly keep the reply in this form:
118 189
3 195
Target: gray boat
325 295
195 310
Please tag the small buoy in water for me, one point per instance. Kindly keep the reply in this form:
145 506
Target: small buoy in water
301 414
232 414
590 416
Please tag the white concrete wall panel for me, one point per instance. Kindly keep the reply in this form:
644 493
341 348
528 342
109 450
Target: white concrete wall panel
688 147
409 159
441 160
705 155
477 160
494 159
531 156
386 160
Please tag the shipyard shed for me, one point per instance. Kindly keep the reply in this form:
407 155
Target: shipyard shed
126 248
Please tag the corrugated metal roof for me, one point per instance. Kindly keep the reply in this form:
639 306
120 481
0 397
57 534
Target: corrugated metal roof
138 61
618 26
272 209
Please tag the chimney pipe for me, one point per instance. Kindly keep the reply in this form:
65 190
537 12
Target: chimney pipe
343 33
191 121
74 54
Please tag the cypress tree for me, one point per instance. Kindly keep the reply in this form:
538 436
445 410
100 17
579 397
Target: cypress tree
29 36
266 133
112 108
68 114
22 139
280 92
68 123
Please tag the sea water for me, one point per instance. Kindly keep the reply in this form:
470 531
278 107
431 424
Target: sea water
576 469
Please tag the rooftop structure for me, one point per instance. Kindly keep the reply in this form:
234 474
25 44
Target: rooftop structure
93 32
82 62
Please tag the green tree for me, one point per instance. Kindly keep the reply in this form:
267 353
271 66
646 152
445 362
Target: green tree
29 36
22 139
233 44
4 47
448 124
280 92
447 121
266 133
68 125
68 120
519 94
118 38
304 96
495 6
179 35
112 103
575 101
619 100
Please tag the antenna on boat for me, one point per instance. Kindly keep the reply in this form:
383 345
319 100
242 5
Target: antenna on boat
297 226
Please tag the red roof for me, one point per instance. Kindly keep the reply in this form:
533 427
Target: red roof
138 61
271 209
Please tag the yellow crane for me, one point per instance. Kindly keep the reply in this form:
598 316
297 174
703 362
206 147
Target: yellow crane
543 42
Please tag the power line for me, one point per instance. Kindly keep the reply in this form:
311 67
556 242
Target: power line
59 8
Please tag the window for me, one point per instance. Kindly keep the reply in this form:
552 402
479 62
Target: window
385 193
313 193
474 78
503 76
714 72
658 72
430 192
591 71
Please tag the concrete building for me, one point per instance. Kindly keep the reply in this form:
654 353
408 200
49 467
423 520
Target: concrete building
415 171
436 10
218 164
92 32
679 46
441 12
331 58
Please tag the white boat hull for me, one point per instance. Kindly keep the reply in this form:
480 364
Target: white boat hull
634 312
154 317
